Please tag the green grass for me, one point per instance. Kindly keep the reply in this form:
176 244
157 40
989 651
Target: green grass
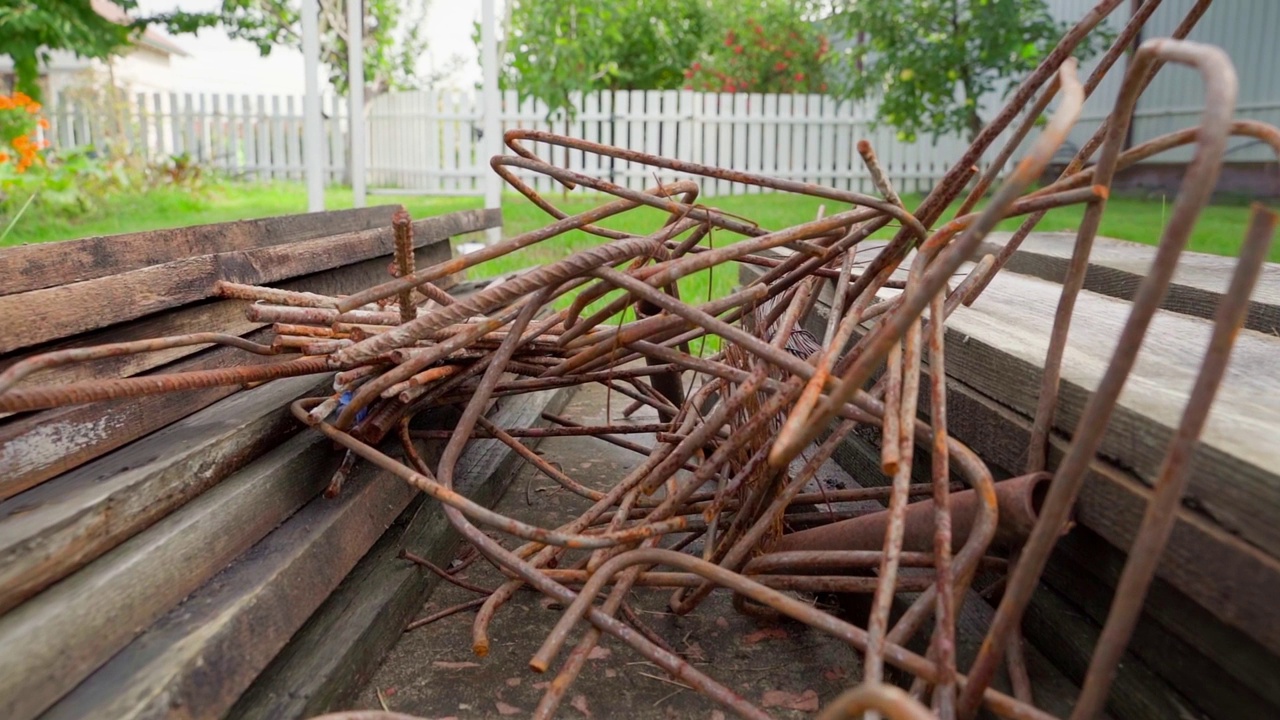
1219 230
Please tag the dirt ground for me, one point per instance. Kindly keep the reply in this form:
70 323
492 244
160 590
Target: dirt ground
785 667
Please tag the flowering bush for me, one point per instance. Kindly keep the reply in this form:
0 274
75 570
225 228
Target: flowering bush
775 53
19 130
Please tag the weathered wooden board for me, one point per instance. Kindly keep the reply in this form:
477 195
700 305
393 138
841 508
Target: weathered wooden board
197 659
1066 635
341 646
998 346
56 639
226 316
1116 268
38 446
1221 670
58 527
1216 668
1233 580
31 267
38 316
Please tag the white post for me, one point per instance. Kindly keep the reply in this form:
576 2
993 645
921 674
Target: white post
492 128
312 150
355 98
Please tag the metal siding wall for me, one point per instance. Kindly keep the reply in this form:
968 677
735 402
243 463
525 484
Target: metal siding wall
1246 29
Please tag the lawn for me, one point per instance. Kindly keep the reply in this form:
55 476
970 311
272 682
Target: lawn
1219 231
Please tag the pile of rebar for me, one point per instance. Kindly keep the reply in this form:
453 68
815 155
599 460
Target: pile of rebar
719 477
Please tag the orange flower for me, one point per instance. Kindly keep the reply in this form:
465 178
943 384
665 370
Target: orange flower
4 157
44 123
33 108
21 98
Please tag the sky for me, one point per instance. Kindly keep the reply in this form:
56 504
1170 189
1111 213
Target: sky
220 64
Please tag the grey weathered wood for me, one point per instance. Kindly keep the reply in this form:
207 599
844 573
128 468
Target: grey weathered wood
1233 580
198 658
1066 635
38 316
998 346
38 446
32 267
1116 268
60 526
227 316
341 646
57 638
1222 671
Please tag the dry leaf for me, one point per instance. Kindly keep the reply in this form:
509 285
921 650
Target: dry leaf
541 685
513 682
694 653
770 633
610 672
454 665
505 709
579 703
599 653
806 701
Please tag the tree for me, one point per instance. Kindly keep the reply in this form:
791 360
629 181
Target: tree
553 48
393 39
32 29
768 46
929 62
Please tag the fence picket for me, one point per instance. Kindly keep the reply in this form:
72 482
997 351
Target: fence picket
427 141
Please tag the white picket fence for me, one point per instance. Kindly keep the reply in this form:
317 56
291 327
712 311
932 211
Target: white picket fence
247 136
429 141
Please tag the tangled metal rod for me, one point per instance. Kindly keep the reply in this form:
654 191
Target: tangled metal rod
709 505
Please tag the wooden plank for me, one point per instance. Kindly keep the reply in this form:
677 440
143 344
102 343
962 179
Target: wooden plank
32 267
38 446
41 315
1221 670
340 647
226 316
1116 267
1067 636
56 639
202 654
999 346
1233 580
60 526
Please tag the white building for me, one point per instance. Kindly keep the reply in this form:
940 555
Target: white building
144 67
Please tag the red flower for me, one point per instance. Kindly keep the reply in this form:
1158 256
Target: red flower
822 87
730 39
780 66
697 66
737 49
800 77
688 73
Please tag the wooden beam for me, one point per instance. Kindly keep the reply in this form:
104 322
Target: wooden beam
38 316
38 446
1116 268
1223 671
205 653
336 652
60 526
32 267
997 347
58 638
1203 560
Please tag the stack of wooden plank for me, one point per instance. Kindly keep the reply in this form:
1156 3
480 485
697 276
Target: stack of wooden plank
158 553
1209 641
